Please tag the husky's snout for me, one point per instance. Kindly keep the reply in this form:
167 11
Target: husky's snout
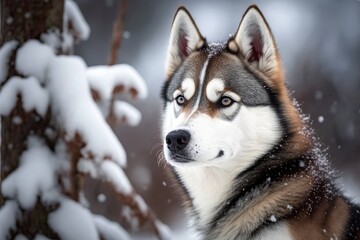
177 140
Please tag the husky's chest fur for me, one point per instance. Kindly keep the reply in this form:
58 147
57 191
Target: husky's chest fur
236 143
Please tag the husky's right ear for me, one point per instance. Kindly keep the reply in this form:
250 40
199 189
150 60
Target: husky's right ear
184 39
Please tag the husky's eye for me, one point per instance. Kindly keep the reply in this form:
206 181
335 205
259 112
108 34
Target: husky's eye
226 101
180 100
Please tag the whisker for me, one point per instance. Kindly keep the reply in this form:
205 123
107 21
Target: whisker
155 146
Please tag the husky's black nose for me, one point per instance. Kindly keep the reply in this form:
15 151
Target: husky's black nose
177 140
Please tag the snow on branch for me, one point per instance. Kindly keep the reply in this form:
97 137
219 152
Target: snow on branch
8 216
51 169
113 174
33 95
107 171
107 81
79 226
32 59
74 16
75 109
125 112
109 230
5 53
75 27
37 237
35 175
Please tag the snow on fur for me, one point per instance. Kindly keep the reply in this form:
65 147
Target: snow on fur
8 215
75 109
35 175
105 78
109 230
5 53
73 221
34 97
32 59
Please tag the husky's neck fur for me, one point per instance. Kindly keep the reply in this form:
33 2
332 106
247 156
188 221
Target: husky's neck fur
270 190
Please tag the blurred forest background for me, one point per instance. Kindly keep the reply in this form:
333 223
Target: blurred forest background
320 46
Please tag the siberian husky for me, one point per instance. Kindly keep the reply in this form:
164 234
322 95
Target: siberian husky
237 145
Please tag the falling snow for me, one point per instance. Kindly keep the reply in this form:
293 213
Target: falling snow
273 218
321 119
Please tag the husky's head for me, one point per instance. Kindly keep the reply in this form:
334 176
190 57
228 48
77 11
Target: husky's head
224 103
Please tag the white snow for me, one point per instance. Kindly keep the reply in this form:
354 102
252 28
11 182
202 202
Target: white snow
73 221
126 34
125 111
41 237
33 58
113 174
20 237
321 119
109 230
88 167
35 175
8 215
5 53
9 20
52 38
73 14
105 78
273 218
34 97
141 175
141 203
128 215
17 120
101 198
75 109
165 232
83 200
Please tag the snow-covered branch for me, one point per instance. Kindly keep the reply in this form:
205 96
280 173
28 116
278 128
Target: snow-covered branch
57 104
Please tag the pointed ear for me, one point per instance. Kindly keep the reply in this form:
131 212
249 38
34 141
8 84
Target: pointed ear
255 42
184 39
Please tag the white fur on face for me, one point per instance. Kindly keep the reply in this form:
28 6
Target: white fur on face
188 88
214 89
252 133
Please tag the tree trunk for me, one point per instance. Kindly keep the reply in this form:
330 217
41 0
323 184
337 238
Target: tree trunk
22 20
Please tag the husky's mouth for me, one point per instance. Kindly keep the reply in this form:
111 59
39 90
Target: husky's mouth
181 158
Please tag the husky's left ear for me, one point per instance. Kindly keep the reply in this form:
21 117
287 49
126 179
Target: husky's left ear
184 39
255 42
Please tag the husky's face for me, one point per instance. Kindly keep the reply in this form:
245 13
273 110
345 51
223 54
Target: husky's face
220 99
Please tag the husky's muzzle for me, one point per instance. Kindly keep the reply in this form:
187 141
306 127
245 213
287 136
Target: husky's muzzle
176 142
